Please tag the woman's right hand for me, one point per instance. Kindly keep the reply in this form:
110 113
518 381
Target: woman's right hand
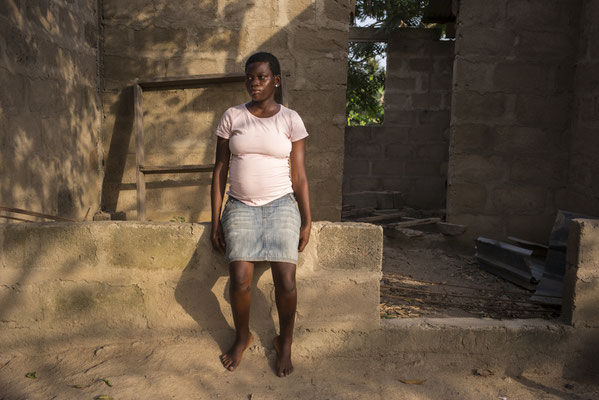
218 237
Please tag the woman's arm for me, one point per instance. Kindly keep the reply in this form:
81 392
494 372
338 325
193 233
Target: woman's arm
219 182
299 182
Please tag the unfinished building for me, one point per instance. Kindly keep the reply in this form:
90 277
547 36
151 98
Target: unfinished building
498 127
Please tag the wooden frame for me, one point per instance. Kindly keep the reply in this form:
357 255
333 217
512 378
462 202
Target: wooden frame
172 83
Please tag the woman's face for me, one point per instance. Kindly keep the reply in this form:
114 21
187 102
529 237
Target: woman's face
260 81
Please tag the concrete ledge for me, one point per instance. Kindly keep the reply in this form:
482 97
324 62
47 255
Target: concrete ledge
130 279
581 280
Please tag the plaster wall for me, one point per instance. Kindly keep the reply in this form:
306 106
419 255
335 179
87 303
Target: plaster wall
581 281
408 153
49 107
146 39
510 117
583 183
130 279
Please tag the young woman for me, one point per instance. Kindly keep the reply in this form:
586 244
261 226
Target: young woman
267 215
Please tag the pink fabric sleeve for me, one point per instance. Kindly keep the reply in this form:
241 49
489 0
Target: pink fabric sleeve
298 130
223 129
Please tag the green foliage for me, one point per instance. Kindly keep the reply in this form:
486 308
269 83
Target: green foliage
391 14
177 219
366 78
365 84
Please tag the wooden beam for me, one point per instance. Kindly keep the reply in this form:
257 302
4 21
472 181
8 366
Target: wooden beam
414 222
139 152
189 82
378 218
357 34
35 214
175 169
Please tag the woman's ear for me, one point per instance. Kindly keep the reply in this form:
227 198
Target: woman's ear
277 80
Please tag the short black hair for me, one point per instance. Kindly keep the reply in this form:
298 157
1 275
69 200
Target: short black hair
272 61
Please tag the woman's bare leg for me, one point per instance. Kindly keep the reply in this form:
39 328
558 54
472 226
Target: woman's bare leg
283 275
240 291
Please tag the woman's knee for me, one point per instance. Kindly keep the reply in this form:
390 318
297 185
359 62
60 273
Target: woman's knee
286 283
240 278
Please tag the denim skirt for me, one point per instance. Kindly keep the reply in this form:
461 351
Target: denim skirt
262 233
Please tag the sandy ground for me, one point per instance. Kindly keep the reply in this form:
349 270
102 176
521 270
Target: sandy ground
189 369
429 276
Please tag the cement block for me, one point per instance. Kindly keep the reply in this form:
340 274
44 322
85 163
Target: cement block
467 197
519 199
392 166
470 138
523 77
315 310
548 46
472 74
476 13
581 280
357 248
522 139
550 111
426 101
469 106
476 168
358 184
550 171
484 41
176 291
534 14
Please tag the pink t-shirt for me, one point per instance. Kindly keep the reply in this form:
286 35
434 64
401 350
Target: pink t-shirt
260 148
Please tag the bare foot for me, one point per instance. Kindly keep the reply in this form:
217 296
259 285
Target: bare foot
232 358
284 365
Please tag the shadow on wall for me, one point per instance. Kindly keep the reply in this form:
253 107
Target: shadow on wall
208 314
159 40
49 107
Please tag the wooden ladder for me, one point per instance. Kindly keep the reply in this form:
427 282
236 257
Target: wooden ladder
186 82
182 82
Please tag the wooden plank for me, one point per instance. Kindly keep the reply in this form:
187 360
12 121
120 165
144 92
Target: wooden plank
378 218
414 222
175 169
184 82
139 152
35 214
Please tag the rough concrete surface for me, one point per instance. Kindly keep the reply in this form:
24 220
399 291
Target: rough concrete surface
157 39
50 107
127 279
513 90
180 367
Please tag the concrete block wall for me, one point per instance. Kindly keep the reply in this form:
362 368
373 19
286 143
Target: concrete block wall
583 183
581 281
511 114
49 107
130 279
146 39
408 153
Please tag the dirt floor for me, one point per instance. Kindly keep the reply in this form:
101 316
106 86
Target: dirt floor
423 276
184 368
430 276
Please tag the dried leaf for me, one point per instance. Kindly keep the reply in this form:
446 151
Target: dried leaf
413 381
103 397
107 382
31 375
80 386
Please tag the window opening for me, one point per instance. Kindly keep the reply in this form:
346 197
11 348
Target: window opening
367 64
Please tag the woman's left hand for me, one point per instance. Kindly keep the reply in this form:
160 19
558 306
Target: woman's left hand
304 237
